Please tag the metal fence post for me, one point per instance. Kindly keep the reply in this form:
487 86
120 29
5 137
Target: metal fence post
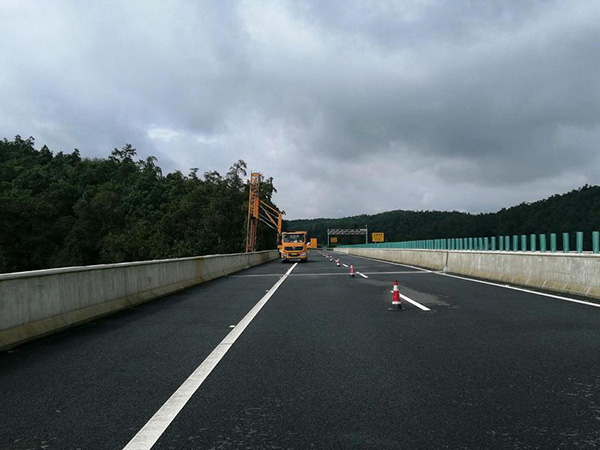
566 242
501 242
515 243
493 239
579 242
507 243
532 243
523 243
543 243
553 245
596 241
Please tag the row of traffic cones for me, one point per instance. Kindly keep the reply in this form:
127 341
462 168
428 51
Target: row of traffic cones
396 298
338 263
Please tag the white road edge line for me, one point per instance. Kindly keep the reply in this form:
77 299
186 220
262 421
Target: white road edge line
362 275
156 426
404 272
345 265
325 274
411 301
394 263
529 291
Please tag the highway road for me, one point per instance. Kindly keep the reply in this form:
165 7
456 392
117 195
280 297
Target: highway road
319 363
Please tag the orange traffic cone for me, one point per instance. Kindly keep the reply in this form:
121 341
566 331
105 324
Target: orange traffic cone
396 300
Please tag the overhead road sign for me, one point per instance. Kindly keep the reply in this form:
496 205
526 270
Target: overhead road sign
348 232
377 237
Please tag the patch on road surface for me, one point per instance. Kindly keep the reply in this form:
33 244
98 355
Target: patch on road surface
423 298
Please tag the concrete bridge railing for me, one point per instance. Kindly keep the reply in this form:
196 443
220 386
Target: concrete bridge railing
33 304
571 273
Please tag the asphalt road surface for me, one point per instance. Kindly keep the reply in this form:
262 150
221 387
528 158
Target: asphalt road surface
323 365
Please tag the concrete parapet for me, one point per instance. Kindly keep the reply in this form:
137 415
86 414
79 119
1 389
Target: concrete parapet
571 273
33 304
430 259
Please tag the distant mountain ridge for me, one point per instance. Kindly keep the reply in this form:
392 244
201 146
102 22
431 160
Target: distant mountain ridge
577 210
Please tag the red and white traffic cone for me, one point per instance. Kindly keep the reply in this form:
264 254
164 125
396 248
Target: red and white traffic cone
352 270
396 300
337 261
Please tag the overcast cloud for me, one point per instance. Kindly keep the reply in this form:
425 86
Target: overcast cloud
352 107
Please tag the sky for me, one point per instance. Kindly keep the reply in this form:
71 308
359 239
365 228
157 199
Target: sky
352 107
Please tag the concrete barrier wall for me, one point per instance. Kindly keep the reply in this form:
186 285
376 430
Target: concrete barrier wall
435 260
571 273
33 304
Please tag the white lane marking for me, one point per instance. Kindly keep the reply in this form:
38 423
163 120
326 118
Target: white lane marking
403 272
323 274
362 275
258 275
394 263
417 304
529 291
345 265
505 286
156 426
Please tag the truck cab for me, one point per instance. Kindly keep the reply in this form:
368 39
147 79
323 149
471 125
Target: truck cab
293 246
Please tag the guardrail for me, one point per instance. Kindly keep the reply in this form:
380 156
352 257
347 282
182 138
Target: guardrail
36 303
533 243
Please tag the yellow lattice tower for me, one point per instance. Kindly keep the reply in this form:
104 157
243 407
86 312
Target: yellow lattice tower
253 212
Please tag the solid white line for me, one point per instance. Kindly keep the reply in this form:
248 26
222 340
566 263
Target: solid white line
404 272
156 426
394 263
417 304
345 265
505 286
257 275
323 274
514 288
362 275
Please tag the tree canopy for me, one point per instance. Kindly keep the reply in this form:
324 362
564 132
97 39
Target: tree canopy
578 210
59 209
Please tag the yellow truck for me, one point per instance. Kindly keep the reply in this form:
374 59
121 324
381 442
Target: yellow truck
293 246
312 244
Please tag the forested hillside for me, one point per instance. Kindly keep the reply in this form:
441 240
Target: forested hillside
61 209
578 210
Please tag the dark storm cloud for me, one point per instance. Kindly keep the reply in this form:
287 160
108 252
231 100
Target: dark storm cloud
357 107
